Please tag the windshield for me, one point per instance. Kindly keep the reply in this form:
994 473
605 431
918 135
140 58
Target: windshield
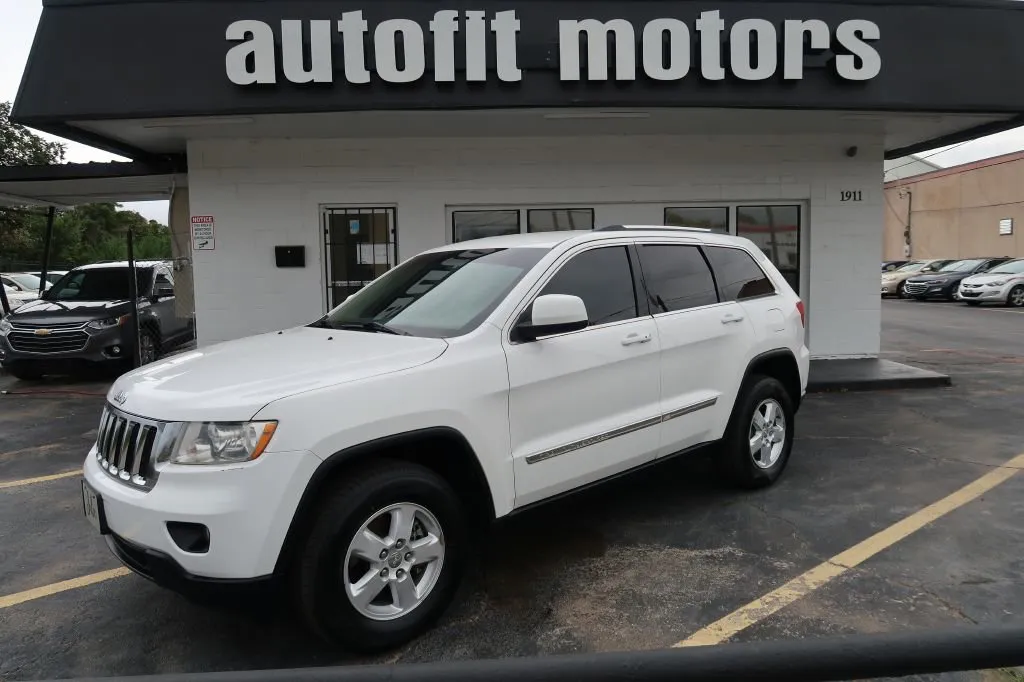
962 265
911 267
101 284
1013 267
30 282
439 294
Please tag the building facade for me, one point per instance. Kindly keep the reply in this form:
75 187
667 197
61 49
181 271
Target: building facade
323 142
974 209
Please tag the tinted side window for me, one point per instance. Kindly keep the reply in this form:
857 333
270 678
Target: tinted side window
739 275
677 277
603 279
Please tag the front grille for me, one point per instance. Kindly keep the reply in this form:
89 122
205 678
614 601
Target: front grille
125 445
55 342
47 325
916 287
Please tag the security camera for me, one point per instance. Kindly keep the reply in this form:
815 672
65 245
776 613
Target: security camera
851 152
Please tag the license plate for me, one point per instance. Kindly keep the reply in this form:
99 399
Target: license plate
92 504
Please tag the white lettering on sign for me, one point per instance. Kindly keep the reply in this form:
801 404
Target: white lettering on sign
203 238
399 48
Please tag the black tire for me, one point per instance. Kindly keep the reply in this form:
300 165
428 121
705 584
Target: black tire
25 373
736 460
149 346
901 290
322 568
1015 299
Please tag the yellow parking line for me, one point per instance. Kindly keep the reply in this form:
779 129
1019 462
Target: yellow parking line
39 479
64 586
804 584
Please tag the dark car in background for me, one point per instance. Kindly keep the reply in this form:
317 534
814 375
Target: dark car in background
84 320
945 282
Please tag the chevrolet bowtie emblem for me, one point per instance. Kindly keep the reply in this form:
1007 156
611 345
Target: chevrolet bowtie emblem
120 398
42 332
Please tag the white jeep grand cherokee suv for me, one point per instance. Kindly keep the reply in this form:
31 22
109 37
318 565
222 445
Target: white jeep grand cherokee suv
357 459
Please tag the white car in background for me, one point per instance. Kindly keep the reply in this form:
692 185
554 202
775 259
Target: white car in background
1002 284
17 298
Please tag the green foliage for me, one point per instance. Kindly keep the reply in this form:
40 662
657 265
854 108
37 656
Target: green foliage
84 234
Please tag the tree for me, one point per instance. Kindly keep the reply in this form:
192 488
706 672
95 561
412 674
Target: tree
83 234
21 147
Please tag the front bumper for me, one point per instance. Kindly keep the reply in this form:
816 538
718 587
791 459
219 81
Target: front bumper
247 510
95 347
985 294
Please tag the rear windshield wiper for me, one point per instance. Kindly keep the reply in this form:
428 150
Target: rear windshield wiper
371 326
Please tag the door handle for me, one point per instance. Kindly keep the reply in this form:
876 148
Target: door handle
730 318
636 338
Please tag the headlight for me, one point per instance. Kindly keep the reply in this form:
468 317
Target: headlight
109 322
222 442
5 326
937 281
997 284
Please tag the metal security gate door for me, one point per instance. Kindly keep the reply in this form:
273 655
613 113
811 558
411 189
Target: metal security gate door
360 246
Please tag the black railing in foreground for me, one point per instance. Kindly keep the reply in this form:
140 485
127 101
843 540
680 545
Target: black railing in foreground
806 660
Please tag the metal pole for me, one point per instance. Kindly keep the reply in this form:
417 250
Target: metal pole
5 305
910 214
46 250
133 291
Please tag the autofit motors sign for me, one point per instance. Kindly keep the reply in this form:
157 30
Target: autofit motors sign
662 49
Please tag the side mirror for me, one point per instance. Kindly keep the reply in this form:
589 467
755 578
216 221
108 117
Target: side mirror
553 314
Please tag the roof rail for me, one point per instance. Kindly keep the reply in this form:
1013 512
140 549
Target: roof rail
658 228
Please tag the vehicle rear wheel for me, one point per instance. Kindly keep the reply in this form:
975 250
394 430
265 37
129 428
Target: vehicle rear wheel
1016 297
384 557
759 436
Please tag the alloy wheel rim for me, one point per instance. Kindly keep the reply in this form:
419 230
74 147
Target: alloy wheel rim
1017 297
767 433
394 561
147 349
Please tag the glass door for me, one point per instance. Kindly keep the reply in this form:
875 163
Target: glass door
359 245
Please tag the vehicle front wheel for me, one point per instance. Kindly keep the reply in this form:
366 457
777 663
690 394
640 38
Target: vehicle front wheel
1016 297
148 346
759 436
901 292
384 557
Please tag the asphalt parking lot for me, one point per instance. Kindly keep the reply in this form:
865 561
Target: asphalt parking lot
644 562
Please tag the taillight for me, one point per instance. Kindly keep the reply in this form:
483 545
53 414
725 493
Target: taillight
803 316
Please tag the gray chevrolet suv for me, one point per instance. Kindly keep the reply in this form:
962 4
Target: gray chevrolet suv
84 320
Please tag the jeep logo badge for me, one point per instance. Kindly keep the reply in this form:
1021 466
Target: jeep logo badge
120 398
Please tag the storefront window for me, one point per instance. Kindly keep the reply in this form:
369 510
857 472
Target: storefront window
480 224
559 219
776 230
714 218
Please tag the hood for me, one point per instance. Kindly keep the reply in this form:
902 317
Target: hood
69 312
986 277
232 381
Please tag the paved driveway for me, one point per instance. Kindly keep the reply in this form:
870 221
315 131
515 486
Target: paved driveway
640 563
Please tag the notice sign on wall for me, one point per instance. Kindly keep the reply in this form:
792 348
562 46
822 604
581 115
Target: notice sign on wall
202 233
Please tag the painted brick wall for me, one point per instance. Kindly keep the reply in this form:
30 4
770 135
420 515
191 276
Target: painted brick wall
269 192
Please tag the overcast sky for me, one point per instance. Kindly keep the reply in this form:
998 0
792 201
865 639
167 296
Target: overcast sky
18 19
